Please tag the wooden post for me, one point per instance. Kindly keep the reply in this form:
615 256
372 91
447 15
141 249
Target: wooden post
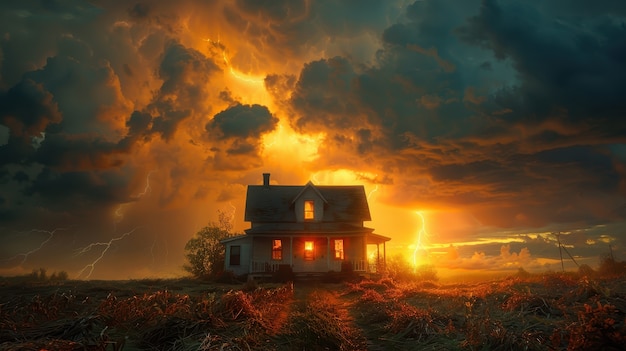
558 239
327 253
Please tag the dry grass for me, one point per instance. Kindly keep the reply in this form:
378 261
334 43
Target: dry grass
534 312
548 312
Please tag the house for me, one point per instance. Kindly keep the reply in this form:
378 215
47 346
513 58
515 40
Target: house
307 229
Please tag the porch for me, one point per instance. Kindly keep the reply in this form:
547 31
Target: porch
358 266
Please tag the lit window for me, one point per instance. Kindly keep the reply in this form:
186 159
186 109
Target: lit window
309 209
235 255
277 250
308 250
339 249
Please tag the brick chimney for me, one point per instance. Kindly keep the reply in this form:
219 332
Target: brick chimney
266 179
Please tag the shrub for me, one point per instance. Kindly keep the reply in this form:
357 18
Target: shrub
399 269
205 252
609 267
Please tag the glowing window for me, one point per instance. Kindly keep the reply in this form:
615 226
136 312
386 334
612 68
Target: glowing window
339 249
235 255
308 250
309 209
277 250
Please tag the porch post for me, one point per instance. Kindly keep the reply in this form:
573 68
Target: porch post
291 252
328 253
250 255
377 257
364 258
385 254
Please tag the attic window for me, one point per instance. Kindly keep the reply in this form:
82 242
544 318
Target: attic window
277 250
339 249
309 209
308 250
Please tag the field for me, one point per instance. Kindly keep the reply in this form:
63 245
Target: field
535 312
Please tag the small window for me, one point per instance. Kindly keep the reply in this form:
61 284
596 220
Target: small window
309 250
277 250
339 249
309 209
235 255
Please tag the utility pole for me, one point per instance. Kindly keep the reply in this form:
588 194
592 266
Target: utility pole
561 248
558 239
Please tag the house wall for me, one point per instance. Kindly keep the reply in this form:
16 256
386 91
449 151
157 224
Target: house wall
309 194
256 253
263 249
354 248
319 263
244 266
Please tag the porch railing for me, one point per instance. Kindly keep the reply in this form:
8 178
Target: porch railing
359 265
270 267
264 266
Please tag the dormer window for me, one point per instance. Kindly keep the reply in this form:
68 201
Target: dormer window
309 210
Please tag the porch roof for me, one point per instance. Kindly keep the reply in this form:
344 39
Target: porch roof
376 238
234 238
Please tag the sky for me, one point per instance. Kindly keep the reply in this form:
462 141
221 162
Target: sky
487 126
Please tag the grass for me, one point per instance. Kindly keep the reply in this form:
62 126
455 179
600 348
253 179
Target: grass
530 312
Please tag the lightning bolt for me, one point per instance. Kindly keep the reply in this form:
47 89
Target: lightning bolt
372 192
119 214
159 244
232 71
420 234
43 243
314 178
107 245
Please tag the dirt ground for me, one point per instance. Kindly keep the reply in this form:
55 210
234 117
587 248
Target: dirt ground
550 312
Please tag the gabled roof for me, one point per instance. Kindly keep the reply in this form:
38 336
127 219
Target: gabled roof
308 185
275 203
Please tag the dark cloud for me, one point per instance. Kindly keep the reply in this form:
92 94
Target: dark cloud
239 130
185 73
243 121
68 152
139 11
31 31
90 187
425 108
27 109
572 64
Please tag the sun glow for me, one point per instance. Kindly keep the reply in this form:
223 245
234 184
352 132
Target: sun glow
248 88
286 144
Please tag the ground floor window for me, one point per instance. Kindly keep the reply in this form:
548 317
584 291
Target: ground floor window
277 249
309 250
235 255
338 249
